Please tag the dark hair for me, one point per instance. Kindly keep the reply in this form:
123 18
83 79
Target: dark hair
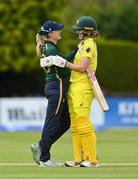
95 34
88 33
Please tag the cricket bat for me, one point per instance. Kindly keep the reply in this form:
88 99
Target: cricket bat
97 90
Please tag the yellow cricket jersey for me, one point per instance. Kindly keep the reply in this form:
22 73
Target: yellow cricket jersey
87 48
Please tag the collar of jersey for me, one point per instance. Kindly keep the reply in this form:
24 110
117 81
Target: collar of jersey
51 43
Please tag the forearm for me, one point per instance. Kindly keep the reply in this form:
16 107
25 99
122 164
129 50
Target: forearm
76 67
63 63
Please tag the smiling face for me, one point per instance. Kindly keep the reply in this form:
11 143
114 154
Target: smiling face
55 35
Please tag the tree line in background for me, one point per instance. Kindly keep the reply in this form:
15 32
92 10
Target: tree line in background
21 20
116 19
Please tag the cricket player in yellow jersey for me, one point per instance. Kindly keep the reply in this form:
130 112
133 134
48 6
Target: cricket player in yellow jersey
80 94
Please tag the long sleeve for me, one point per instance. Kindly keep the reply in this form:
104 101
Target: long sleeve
71 55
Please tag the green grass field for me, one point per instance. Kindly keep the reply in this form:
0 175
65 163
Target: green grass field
117 151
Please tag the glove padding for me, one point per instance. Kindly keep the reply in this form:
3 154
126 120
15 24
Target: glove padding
53 60
59 61
46 61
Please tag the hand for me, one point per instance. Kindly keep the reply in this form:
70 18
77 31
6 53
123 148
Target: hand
46 61
59 61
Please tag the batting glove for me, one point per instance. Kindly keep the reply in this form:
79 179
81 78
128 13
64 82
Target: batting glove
59 61
46 61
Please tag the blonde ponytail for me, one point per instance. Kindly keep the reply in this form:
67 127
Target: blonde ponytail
40 42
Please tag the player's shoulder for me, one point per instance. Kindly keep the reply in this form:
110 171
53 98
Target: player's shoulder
89 43
51 48
50 45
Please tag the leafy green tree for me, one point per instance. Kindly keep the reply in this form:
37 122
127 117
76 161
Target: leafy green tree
20 21
119 21
116 19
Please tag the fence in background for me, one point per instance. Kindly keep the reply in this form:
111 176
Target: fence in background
28 114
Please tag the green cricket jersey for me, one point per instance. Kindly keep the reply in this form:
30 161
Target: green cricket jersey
54 72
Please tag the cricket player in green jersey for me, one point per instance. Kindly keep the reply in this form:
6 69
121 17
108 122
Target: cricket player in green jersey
57 120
